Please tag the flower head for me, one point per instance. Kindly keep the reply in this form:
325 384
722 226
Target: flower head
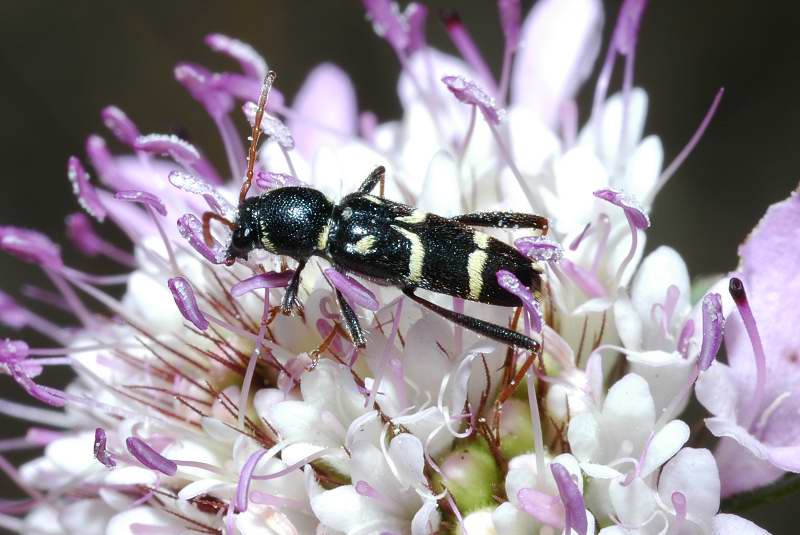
201 404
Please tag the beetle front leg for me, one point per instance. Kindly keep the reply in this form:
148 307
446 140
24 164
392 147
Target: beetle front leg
354 328
290 301
375 177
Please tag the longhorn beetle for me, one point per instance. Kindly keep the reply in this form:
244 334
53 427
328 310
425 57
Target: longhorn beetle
383 241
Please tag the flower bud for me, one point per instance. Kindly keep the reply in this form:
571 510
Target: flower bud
471 475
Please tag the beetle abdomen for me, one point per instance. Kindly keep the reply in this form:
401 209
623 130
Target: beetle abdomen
395 244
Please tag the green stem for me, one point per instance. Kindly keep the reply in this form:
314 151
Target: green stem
738 503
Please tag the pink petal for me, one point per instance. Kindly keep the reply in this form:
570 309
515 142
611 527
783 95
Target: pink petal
559 44
327 98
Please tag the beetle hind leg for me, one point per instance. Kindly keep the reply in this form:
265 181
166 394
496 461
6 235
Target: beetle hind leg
485 328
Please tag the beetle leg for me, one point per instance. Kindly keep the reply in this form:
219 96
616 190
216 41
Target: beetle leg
487 329
351 321
375 177
290 301
503 220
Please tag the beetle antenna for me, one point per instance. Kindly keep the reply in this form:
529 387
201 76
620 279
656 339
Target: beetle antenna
251 154
207 217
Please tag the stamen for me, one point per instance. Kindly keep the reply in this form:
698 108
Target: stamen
510 16
679 503
467 47
247 381
47 395
83 236
687 150
585 280
685 338
271 279
191 184
637 220
355 292
267 180
83 190
713 325
568 117
35 414
536 422
251 62
182 152
13 351
272 127
388 23
468 92
243 485
737 291
625 40
584 233
302 462
150 457
572 499
547 509
30 246
192 231
154 206
123 128
385 354
184 297
603 227
100 452
509 282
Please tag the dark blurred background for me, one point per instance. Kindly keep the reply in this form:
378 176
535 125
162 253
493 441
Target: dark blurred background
61 62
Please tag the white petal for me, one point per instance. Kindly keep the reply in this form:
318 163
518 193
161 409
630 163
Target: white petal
643 168
441 191
120 524
629 323
628 412
578 174
717 391
724 524
478 523
694 473
583 436
426 520
667 374
508 520
85 517
344 509
664 445
406 452
600 471
660 269
131 475
202 486
634 503
614 149
560 40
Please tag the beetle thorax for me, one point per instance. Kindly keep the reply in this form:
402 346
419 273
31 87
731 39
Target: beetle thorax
289 221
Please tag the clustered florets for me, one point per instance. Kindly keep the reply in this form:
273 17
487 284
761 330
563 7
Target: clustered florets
199 407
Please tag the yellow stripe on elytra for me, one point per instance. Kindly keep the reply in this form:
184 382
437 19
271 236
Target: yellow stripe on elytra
417 216
365 244
475 264
322 240
417 256
481 239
